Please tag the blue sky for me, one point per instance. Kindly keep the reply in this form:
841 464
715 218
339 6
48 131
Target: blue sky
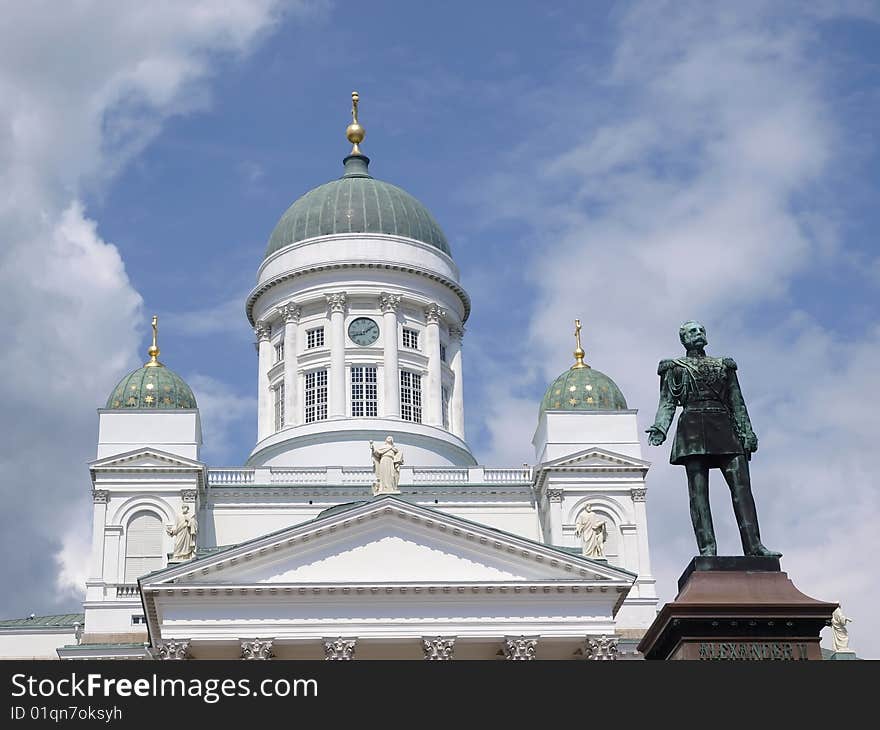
631 164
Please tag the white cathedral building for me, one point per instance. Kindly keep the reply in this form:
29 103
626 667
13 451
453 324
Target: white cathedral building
359 317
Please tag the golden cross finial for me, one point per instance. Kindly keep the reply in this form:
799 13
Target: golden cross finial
355 132
579 351
153 350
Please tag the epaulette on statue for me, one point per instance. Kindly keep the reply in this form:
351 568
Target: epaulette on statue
665 365
729 363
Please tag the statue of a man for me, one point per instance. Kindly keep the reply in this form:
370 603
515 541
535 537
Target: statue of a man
387 460
590 528
839 633
714 431
184 534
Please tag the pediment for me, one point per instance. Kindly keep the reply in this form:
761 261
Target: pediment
391 542
597 458
145 458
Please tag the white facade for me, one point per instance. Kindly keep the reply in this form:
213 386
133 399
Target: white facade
359 337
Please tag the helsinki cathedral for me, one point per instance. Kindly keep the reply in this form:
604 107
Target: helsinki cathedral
361 525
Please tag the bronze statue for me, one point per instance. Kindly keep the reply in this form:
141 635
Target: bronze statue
714 431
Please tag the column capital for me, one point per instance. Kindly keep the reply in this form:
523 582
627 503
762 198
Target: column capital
456 331
339 649
100 496
555 495
257 649
263 331
336 301
438 647
289 313
389 302
189 495
601 648
639 494
520 648
176 649
434 313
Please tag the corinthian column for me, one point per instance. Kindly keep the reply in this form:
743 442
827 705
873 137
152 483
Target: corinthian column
434 404
456 405
389 303
336 404
264 403
290 314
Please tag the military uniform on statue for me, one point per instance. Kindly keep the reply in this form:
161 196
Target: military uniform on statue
727 607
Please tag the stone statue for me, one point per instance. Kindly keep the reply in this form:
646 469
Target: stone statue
184 534
590 528
840 635
387 460
714 431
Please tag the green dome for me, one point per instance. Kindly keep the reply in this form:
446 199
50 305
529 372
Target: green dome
152 386
356 203
583 389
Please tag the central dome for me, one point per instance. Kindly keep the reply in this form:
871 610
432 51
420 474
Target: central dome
356 203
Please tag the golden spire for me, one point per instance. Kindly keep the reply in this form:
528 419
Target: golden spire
355 132
153 350
579 351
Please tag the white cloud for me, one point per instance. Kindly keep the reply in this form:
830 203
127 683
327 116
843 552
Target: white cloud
83 88
687 199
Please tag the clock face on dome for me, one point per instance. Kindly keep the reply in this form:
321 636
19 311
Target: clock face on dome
363 331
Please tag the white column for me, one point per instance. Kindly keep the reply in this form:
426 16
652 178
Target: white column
336 397
389 304
456 404
554 496
264 400
100 497
290 314
434 399
641 514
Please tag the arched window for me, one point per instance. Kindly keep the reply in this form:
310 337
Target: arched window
143 546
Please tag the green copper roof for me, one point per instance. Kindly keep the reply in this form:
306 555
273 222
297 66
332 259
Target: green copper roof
152 387
356 203
583 389
56 621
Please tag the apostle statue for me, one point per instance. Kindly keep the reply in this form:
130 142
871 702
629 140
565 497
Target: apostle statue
387 460
839 633
184 534
590 528
714 431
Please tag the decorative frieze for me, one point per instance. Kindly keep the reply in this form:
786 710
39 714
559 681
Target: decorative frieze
389 302
339 649
289 313
101 496
434 313
555 495
638 494
602 648
520 648
189 495
336 302
175 649
257 649
438 647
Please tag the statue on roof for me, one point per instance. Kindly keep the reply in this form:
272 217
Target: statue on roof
839 632
591 529
184 533
714 431
387 460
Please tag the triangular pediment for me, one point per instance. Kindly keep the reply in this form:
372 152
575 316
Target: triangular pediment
145 458
595 457
388 541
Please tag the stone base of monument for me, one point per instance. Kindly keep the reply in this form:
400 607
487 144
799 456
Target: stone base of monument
741 608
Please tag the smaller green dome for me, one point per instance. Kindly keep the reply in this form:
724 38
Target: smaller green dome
583 389
152 386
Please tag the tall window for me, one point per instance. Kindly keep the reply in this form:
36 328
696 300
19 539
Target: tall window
278 395
364 393
316 396
279 351
143 546
410 338
410 396
314 338
442 352
444 394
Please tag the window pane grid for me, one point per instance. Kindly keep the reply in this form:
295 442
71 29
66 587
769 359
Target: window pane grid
316 396
314 338
279 406
410 396
364 392
410 338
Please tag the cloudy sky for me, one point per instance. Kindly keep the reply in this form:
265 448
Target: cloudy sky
631 164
